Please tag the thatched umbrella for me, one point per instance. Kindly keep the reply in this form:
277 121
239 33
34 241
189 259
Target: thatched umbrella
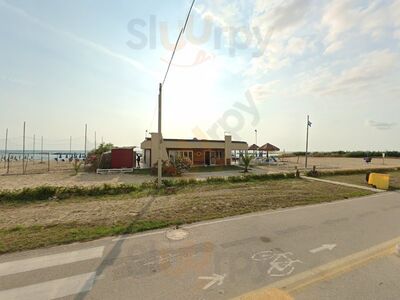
269 148
254 148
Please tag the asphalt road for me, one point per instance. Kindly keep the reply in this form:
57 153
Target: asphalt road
219 259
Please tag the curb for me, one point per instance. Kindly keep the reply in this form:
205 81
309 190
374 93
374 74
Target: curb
344 184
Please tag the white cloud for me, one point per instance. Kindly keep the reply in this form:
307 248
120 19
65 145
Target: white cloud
370 70
261 92
333 47
339 17
346 18
282 17
79 40
296 46
382 125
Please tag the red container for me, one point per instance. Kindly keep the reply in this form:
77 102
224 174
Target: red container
122 158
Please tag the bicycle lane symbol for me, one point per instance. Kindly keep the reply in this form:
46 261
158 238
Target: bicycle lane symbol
280 264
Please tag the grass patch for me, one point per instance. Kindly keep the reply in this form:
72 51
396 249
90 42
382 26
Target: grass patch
21 238
351 172
41 225
203 169
43 193
141 171
360 179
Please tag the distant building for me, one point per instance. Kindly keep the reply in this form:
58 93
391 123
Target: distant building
200 152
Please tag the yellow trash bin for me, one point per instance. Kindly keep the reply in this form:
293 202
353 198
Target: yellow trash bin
380 181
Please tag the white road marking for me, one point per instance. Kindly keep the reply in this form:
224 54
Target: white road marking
214 279
329 247
42 262
281 264
252 215
52 289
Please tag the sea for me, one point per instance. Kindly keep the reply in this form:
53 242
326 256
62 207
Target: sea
37 155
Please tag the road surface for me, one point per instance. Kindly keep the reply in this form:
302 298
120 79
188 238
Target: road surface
222 259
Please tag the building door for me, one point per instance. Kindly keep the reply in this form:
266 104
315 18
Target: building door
213 158
207 158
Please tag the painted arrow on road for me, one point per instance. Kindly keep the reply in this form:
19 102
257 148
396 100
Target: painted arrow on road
213 280
329 247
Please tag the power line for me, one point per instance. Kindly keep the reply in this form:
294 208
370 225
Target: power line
177 41
159 160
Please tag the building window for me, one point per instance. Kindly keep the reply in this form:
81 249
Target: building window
175 154
220 154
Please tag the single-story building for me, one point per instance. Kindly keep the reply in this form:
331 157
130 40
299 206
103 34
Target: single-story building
200 152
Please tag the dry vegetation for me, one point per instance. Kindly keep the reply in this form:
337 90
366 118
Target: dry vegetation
36 224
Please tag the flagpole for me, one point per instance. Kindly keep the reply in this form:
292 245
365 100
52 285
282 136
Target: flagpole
308 127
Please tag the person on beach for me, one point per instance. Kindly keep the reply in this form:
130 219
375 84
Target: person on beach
138 160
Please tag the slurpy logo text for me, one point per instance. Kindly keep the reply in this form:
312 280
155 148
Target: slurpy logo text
151 33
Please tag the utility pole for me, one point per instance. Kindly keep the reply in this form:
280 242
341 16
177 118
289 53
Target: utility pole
85 139
5 149
23 150
308 128
70 145
95 140
256 135
159 163
41 149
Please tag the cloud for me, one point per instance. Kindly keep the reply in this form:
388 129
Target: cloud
281 17
296 46
334 47
261 92
369 70
79 40
285 20
372 66
14 80
345 18
382 125
224 13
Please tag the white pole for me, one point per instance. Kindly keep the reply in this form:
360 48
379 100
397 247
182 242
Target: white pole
308 123
34 145
5 149
23 150
85 139
95 140
41 149
159 164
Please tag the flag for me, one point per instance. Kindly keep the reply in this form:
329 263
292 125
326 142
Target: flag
309 123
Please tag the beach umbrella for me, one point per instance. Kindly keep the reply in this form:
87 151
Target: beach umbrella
269 148
253 148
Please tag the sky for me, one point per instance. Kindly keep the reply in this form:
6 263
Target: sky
241 66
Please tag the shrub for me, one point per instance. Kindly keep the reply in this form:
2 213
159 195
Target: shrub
246 159
182 164
215 180
77 165
94 156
